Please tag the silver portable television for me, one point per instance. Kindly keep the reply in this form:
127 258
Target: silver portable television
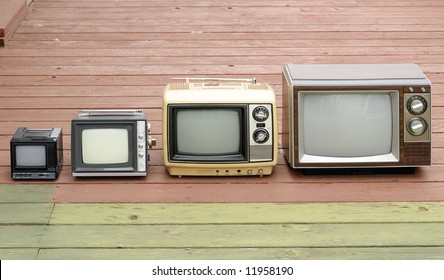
110 143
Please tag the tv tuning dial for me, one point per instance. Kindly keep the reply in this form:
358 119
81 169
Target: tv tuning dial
260 113
260 136
417 126
416 105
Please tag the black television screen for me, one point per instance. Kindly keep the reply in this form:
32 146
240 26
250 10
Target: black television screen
205 133
30 156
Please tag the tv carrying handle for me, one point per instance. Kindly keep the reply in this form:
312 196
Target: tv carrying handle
51 132
247 80
38 130
84 113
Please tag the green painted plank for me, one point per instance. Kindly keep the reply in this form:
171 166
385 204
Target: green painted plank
247 213
197 236
25 213
19 254
348 253
25 193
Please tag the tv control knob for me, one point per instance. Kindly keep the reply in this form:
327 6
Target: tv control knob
151 142
260 136
417 126
260 113
416 105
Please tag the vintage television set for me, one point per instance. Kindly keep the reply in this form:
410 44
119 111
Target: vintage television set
110 143
356 116
219 127
36 153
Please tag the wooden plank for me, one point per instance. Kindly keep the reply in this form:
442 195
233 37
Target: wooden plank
417 19
188 60
58 44
79 103
249 11
250 213
229 51
344 253
25 213
201 190
233 3
17 193
19 254
160 70
227 36
217 236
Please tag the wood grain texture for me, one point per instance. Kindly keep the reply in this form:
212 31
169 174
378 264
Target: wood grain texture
250 213
19 254
69 55
11 14
25 213
222 236
340 253
29 193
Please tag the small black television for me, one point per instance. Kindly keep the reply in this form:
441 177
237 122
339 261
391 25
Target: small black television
36 154
110 143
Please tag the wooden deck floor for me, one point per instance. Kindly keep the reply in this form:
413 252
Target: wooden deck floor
69 55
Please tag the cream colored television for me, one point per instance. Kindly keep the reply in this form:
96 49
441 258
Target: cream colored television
219 127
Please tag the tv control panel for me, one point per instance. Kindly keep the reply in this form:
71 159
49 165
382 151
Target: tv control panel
141 146
261 132
417 114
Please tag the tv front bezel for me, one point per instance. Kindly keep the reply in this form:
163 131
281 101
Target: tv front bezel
174 156
78 166
28 167
392 157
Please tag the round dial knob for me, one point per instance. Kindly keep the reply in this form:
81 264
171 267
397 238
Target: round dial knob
416 105
260 113
260 136
417 126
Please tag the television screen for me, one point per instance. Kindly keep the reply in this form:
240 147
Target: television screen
30 156
206 132
347 125
105 146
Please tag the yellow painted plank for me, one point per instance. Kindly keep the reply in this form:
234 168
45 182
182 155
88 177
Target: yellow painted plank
348 253
247 213
25 213
19 254
198 236
16 193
